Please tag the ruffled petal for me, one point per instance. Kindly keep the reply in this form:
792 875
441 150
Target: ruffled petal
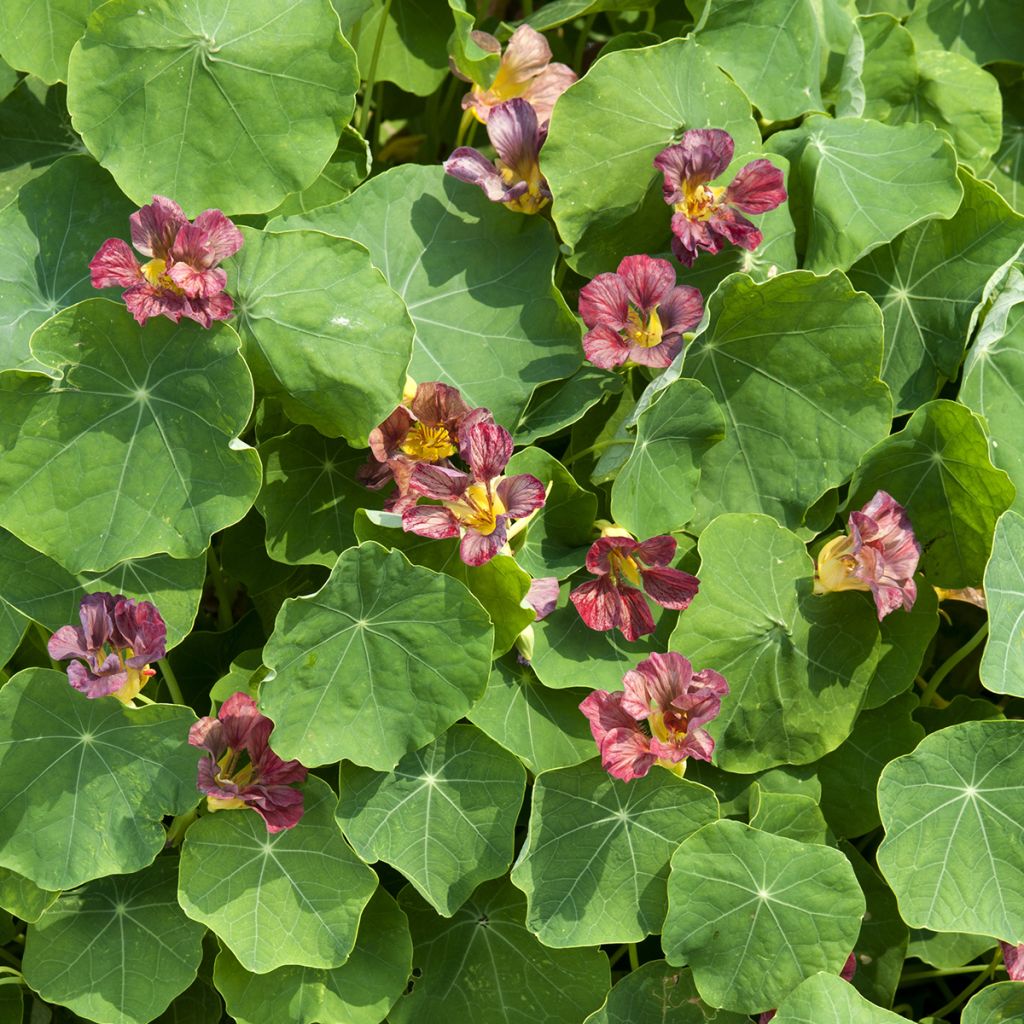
626 754
438 405
521 494
145 301
477 548
205 310
432 521
689 236
68 642
605 301
487 448
757 188
604 712
735 228
700 156
437 482
280 807
155 227
103 683
473 167
655 683
197 283
542 93
597 556
659 356
386 438
514 132
542 596
671 588
605 347
208 733
217 237
527 54
648 281
114 265
680 310
243 725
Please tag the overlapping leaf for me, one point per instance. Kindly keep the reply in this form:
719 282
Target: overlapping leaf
827 997
1002 666
989 31
995 1004
37 35
407 41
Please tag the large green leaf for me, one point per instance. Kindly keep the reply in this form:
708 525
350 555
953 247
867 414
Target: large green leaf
985 31
657 993
475 277
653 493
561 403
226 103
1006 169
798 665
445 817
800 393
929 283
360 991
543 728
289 897
952 850
410 48
41 589
84 783
1002 665
47 237
855 184
36 130
997 1004
938 468
772 49
753 914
826 997
37 35
12 628
787 814
323 332
22 897
137 436
116 950
608 128
378 662
947 949
596 857
484 965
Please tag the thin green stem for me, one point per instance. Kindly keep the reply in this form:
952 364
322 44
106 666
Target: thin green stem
371 77
581 42
14 977
10 959
951 663
224 617
634 959
962 997
171 681
912 976
594 449
177 828
618 954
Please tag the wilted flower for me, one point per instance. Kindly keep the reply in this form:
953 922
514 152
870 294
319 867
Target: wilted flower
478 506
242 770
637 314
182 276
847 973
1013 959
515 178
658 717
707 217
621 565
427 429
116 641
525 71
880 554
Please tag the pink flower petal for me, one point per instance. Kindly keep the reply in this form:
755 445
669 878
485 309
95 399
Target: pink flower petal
513 130
430 521
689 236
657 550
390 434
702 155
648 281
604 711
605 301
658 356
197 283
626 754
487 448
735 228
145 301
218 236
114 265
438 482
1013 958
671 588
526 56
206 310
477 548
655 683
597 556
542 596
680 310
521 494
543 92
757 188
473 167
156 225
605 348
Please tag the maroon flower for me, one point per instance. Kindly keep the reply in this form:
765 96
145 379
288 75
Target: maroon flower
880 554
113 646
707 217
1013 959
515 178
847 973
478 506
182 276
637 314
242 770
621 565
658 718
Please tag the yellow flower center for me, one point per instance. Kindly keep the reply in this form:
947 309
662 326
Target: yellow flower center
836 565
624 566
699 201
428 444
531 201
480 510
155 272
646 335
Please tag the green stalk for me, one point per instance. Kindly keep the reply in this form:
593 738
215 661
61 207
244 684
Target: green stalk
595 448
176 830
10 959
581 43
224 617
371 77
634 959
929 975
966 994
171 681
951 663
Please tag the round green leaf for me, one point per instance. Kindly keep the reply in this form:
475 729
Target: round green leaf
445 817
657 993
938 468
543 728
929 283
22 897
653 493
1006 169
361 991
1002 665
137 436
225 103
323 332
787 814
84 783
12 628
948 949
116 950
561 403
596 857
289 897
484 965
37 35
827 997
41 589
990 31
801 394
475 276
952 850
855 184
753 914
608 128
47 237
36 130
380 640
798 665
997 1004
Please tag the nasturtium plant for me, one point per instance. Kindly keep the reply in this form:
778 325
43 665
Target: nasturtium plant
511 512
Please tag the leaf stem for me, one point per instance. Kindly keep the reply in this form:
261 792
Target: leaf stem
371 77
10 959
969 991
171 680
177 828
634 959
951 663
595 448
224 617
581 43
943 973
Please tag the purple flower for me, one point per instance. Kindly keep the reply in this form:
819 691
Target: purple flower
182 276
515 178
637 314
658 718
242 770
707 217
113 646
880 554
477 506
622 565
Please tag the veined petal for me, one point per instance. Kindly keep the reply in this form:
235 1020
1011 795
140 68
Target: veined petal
701 155
680 310
605 301
68 642
735 228
432 521
657 550
605 347
390 434
648 281
542 596
438 405
652 686
689 236
487 448
626 754
216 235
671 588
156 225
208 733
242 723
1013 958
114 265
597 556
477 548
757 188
438 482
604 712
280 807
472 166
206 309
521 494
659 356
543 91
526 56
513 130
197 283
144 301
109 679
